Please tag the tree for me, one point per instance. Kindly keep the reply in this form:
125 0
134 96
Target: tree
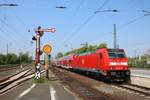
24 58
81 50
67 53
59 55
11 58
2 59
102 45
91 48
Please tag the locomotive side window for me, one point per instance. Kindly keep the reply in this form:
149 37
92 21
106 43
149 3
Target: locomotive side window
114 53
100 55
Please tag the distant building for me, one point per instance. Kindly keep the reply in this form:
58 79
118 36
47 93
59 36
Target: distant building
148 60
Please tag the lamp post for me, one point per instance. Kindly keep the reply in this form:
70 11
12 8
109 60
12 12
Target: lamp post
8 5
146 12
61 7
114 10
115 34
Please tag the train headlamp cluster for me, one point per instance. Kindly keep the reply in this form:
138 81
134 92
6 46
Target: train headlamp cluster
118 63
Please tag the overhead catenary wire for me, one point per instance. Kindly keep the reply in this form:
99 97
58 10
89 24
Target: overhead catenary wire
77 10
20 21
75 14
5 38
87 20
123 25
11 36
6 35
12 29
79 6
18 18
84 23
130 22
8 40
23 24
10 33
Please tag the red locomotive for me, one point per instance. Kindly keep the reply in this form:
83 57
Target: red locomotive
107 64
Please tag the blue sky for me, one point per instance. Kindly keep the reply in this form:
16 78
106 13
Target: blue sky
75 25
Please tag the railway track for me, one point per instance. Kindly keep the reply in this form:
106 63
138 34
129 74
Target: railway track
13 67
14 77
9 68
136 89
85 91
82 89
10 82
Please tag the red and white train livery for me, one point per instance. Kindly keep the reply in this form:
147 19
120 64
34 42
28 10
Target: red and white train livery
107 64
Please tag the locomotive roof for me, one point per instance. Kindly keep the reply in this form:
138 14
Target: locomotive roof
109 50
115 50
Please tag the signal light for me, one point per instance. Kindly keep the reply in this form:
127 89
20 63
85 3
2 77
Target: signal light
49 57
34 38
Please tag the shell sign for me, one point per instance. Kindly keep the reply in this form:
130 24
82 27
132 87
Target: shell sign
47 49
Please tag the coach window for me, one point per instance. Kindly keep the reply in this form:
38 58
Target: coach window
100 55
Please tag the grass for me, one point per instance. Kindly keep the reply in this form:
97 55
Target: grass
42 79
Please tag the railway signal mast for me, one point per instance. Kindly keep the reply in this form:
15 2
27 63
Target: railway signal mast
39 33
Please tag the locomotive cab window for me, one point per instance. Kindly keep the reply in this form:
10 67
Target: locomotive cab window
116 53
121 55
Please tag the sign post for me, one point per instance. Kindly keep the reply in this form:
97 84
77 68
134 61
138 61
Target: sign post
47 50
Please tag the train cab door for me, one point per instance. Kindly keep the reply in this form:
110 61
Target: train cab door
101 60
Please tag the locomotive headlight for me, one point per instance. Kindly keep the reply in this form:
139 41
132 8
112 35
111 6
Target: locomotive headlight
124 63
112 63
